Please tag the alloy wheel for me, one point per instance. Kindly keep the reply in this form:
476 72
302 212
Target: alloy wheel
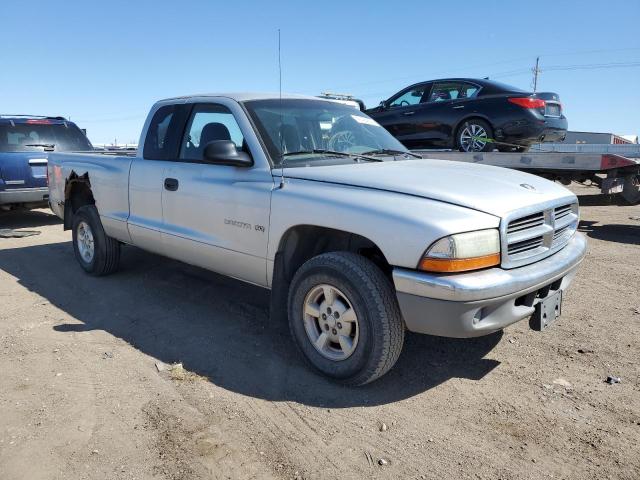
331 322
473 138
85 242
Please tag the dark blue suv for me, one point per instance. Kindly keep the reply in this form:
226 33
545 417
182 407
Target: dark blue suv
25 141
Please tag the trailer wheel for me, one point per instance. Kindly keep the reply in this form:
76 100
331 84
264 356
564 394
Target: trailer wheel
631 189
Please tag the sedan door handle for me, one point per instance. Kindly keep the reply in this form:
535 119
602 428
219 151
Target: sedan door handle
458 107
171 184
406 114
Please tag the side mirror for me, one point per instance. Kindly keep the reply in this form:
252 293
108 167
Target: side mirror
384 105
224 152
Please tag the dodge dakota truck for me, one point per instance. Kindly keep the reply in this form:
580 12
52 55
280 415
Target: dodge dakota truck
358 239
25 141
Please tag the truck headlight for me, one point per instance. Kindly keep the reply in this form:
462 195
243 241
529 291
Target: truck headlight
463 252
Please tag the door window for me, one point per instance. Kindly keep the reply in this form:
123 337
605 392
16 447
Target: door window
444 91
410 97
209 122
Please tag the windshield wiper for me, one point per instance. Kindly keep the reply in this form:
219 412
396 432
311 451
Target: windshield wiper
387 151
49 146
331 152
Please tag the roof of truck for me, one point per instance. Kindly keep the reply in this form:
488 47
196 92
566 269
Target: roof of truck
246 96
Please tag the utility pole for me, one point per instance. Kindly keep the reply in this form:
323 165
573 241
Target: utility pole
536 71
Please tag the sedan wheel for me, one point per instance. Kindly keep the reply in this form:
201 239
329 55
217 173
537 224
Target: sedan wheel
475 136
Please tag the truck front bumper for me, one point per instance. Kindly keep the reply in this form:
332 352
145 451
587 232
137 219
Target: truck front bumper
39 195
478 303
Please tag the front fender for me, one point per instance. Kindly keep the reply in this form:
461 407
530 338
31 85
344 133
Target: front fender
401 225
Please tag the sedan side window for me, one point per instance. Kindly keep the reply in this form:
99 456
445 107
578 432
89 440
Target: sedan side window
209 122
444 91
410 97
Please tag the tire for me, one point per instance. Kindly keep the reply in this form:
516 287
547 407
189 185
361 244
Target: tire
631 189
374 331
97 253
467 129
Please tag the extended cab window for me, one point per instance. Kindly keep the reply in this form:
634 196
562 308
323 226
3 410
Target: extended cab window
410 97
452 91
163 136
208 123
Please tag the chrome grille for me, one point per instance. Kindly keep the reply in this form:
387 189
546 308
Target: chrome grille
536 235
524 223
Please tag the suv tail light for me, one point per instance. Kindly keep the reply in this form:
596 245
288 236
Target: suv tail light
527 102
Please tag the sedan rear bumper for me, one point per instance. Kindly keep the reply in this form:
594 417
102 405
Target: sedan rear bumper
527 131
478 303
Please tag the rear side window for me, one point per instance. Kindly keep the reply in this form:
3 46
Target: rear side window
164 133
452 91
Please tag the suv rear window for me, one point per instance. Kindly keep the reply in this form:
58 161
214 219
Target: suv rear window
32 137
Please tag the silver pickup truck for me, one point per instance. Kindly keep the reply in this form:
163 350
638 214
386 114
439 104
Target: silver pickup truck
357 238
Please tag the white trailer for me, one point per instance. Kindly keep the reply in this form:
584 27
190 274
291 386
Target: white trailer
614 174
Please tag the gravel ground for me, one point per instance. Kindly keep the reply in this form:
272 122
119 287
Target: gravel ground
87 390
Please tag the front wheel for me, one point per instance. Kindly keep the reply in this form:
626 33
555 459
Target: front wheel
97 253
475 135
344 317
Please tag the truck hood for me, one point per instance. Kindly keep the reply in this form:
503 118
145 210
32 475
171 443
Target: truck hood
494 190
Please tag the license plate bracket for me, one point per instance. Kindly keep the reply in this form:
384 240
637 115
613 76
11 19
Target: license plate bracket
547 311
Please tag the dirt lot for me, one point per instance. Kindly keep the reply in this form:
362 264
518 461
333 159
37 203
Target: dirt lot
81 396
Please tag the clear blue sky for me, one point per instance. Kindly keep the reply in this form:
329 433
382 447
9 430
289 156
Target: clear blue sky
104 63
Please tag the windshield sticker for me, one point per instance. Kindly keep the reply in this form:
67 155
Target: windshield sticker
365 120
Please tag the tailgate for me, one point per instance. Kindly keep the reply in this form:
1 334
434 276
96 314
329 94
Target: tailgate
23 169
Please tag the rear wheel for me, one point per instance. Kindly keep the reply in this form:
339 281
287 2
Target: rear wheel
97 253
475 135
344 317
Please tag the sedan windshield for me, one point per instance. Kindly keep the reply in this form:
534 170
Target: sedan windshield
312 130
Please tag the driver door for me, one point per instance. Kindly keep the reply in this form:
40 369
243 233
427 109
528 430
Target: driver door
216 216
397 117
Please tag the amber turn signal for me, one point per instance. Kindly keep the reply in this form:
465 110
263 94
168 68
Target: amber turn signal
448 265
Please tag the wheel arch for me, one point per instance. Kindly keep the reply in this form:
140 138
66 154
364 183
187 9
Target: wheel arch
300 243
470 116
77 193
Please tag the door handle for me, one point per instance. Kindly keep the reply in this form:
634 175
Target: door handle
171 184
406 114
458 107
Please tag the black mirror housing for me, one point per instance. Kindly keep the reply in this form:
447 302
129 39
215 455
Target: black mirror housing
224 152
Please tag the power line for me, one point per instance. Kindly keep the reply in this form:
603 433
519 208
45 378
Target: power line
485 65
550 68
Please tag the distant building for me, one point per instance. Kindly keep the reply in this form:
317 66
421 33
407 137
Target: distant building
599 138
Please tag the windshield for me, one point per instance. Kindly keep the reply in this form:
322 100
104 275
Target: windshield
33 137
312 126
